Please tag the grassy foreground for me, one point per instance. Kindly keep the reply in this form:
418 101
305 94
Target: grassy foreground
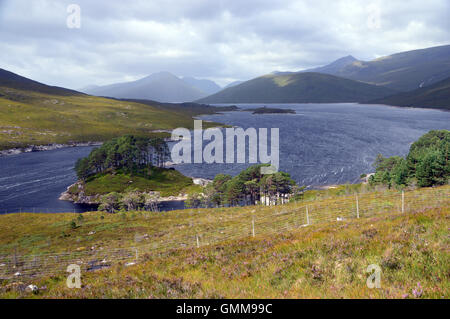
284 259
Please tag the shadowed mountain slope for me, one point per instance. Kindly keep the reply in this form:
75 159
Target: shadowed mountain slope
436 95
403 71
12 80
162 86
298 88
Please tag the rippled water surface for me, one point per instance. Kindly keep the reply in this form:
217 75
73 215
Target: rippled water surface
331 143
320 144
34 181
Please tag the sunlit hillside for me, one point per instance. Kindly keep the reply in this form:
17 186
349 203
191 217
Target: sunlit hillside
33 118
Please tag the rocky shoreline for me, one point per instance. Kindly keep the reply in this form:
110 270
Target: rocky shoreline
55 146
48 147
82 198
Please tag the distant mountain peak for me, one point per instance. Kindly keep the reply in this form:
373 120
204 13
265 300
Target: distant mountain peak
403 71
342 62
334 66
348 58
204 85
167 73
159 75
161 86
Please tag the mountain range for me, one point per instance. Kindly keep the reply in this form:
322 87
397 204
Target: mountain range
384 76
302 87
334 67
413 78
161 86
403 71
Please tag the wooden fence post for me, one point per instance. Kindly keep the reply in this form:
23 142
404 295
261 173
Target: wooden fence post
307 215
198 242
15 257
357 207
403 202
253 226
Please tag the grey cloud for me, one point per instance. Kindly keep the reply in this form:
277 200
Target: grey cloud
219 40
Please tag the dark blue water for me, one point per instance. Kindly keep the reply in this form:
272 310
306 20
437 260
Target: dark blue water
321 144
34 181
326 144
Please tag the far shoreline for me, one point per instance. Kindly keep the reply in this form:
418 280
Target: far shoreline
45 147
53 146
330 103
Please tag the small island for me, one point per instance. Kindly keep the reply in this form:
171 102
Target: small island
129 173
270 110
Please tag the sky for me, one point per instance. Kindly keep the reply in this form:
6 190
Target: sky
117 41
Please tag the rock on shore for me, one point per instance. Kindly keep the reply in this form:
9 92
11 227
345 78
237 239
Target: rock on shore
82 198
49 147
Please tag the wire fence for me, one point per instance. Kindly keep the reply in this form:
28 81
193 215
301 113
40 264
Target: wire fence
162 206
46 210
250 223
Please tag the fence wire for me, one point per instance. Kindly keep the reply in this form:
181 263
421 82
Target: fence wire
215 231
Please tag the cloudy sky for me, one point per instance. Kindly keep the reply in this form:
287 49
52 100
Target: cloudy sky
214 39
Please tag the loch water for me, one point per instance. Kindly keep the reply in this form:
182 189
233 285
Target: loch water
321 144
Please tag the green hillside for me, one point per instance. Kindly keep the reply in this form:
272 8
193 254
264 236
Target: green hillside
32 113
298 88
434 96
31 118
403 71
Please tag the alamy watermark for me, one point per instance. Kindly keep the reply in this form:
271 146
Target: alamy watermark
74 279
220 149
374 279
73 20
